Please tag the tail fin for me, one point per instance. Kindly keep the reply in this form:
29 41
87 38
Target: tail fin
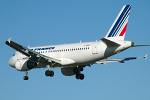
118 28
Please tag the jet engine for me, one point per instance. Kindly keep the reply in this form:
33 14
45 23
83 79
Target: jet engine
67 71
70 71
24 65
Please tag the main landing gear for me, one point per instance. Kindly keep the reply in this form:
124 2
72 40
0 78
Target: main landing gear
80 76
49 72
77 71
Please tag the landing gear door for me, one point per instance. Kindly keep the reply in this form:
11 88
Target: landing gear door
94 51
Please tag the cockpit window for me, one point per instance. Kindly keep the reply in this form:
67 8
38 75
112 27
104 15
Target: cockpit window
13 54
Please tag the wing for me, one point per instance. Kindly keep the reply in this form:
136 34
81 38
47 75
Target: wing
30 53
121 60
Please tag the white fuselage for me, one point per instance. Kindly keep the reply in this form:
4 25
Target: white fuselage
77 54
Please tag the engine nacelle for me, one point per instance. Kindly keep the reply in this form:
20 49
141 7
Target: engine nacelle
67 71
24 65
31 64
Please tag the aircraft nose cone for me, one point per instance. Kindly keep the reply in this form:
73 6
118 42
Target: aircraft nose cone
12 62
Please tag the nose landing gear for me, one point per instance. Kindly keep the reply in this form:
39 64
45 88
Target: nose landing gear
26 77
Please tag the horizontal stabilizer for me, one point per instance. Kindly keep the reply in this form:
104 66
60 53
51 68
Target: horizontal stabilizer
139 45
145 56
109 43
121 60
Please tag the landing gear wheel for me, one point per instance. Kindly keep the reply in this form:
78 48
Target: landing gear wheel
81 69
80 76
77 76
25 77
49 73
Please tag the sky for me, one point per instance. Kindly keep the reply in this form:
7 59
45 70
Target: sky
51 22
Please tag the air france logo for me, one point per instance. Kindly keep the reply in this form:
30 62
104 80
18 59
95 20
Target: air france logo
47 48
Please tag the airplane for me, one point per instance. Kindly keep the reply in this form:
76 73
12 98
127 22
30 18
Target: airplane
72 58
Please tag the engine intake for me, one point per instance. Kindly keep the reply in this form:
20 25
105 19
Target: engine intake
31 64
24 65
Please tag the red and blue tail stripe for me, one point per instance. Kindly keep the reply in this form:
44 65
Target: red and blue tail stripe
120 24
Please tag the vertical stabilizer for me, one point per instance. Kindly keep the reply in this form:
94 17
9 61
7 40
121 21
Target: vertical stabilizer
118 29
